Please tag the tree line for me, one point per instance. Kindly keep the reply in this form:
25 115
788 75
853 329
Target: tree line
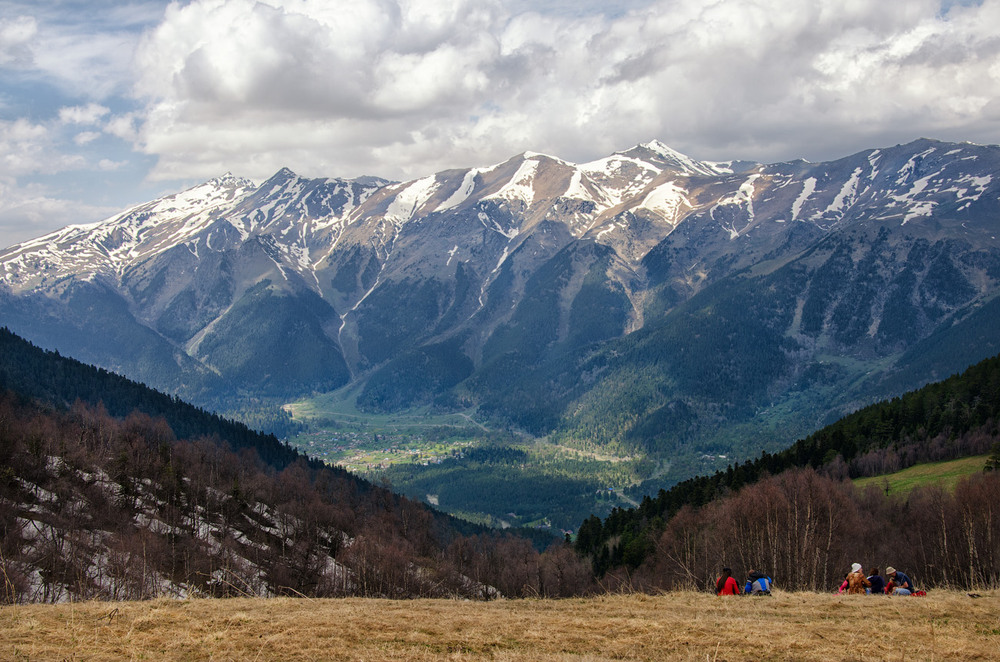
953 418
98 507
96 504
52 378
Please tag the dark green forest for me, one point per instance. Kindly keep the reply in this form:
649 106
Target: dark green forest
48 377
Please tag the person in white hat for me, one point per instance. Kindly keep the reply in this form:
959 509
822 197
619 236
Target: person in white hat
856 581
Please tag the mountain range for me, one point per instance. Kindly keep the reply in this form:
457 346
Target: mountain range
644 303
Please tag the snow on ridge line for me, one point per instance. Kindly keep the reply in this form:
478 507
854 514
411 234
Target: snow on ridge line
537 156
689 165
148 227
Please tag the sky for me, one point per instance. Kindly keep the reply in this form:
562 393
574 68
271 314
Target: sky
106 104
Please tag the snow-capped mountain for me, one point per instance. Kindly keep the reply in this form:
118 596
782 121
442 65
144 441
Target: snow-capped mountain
533 288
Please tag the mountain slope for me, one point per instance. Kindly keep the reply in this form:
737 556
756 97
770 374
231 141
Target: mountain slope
795 515
644 302
109 490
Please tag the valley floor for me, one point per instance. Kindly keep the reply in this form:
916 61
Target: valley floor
677 626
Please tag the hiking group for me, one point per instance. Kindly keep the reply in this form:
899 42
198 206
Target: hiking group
856 583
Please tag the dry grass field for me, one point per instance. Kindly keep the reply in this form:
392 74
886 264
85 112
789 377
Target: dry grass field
678 626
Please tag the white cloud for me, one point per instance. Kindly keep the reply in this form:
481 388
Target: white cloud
25 147
16 33
86 137
108 165
27 212
122 126
401 88
89 114
83 48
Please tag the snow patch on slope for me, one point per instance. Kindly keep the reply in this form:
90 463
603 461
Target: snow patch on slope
521 185
744 196
808 188
463 192
848 193
411 197
666 200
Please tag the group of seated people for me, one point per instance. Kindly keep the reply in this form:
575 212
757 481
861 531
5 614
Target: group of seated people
757 584
894 583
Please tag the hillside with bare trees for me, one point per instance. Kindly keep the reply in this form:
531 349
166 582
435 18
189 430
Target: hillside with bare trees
99 506
795 513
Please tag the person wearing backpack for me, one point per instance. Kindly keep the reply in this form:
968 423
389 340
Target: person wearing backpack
757 584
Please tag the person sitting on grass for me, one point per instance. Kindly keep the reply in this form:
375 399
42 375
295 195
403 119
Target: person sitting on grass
856 581
726 584
899 582
757 584
877 582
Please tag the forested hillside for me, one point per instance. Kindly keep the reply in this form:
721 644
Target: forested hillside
61 381
782 507
109 490
96 505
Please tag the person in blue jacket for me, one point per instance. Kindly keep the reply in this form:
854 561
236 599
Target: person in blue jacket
757 584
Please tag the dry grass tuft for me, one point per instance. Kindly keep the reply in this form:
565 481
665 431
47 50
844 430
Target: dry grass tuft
676 626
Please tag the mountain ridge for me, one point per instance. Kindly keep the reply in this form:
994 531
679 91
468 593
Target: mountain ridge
696 295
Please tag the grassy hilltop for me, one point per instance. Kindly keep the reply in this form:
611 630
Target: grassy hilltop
673 626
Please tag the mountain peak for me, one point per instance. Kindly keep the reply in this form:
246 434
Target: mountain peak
662 148
538 156
282 176
229 180
662 154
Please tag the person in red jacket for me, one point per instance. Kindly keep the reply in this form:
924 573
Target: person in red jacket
726 584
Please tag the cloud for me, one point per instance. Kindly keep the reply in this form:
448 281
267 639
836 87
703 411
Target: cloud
108 165
27 147
83 48
401 88
30 211
122 126
89 114
86 137
16 34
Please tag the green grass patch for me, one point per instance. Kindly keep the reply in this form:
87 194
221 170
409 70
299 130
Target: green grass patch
340 408
337 432
512 479
945 474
